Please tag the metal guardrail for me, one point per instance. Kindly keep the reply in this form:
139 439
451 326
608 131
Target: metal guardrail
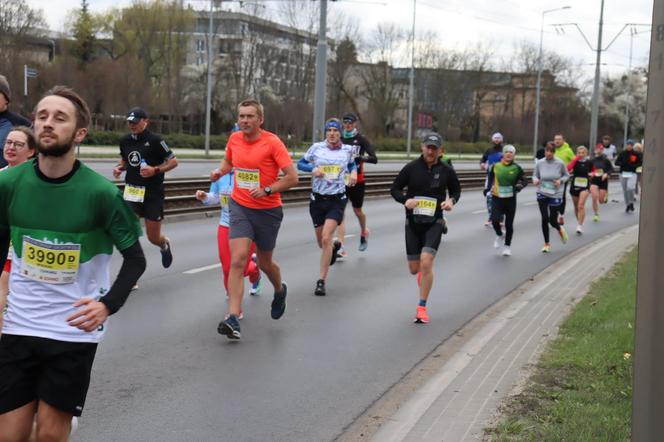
180 192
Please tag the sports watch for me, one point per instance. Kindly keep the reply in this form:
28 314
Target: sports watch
267 190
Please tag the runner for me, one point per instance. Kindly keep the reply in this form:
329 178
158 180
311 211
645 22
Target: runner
8 120
638 147
609 147
432 186
629 161
20 146
328 161
580 168
219 193
599 180
492 156
61 293
549 176
255 156
566 154
506 179
364 153
146 157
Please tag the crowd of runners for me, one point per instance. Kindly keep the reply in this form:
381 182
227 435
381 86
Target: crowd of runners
60 222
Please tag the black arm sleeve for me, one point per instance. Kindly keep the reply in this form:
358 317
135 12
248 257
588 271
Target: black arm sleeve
133 266
620 160
399 183
453 186
521 181
4 247
370 153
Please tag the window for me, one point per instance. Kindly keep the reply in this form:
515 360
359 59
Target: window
200 45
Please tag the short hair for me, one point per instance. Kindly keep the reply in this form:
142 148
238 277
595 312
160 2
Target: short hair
82 109
581 148
29 134
550 146
606 137
559 135
253 103
638 147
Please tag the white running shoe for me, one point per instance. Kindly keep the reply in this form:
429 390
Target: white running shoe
579 230
507 251
498 243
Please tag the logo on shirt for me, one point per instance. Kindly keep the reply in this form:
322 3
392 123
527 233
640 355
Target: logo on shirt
134 158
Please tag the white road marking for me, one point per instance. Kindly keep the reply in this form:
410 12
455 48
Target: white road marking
201 269
477 212
532 203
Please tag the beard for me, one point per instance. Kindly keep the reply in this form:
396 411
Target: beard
57 150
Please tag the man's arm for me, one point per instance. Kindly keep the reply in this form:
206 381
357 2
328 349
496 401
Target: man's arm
4 247
370 156
397 186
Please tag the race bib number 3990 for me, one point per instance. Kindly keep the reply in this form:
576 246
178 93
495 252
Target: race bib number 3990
50 263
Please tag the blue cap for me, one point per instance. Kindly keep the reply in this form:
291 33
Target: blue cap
630 141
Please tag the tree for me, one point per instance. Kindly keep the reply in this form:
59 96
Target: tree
84 35
616 93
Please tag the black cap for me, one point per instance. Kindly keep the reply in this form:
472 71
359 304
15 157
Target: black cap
136 114
433 139
350 117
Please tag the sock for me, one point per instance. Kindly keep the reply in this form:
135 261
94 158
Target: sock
423 303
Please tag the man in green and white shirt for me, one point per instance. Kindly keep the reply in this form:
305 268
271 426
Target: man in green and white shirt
63 220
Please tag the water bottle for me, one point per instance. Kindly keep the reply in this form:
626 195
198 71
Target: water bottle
143 164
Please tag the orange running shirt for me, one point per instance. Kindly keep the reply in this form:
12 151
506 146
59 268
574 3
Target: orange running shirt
256 164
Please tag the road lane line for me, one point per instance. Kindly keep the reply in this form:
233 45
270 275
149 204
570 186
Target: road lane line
201 269
477 212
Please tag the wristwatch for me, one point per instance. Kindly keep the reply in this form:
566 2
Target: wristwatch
267 190
157 170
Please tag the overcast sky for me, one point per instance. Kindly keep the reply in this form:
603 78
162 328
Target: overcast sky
462 23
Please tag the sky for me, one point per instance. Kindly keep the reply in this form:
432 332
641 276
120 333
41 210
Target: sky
465 23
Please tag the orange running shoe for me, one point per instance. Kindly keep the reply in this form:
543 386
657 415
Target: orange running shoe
421 317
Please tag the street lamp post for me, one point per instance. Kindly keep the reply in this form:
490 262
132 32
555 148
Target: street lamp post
321 75
539 78
594 112
208 99
411 85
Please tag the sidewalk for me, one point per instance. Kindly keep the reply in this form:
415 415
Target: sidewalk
490 357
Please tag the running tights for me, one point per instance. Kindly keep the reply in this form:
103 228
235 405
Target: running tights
251 269
549 215
503 207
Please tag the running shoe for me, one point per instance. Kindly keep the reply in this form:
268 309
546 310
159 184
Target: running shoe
561 220
444 226
320 288
579 230
341 254
419 279
563 235
606 198
498 243
335 250
74 425
507 251
255 289
230 328
546 248
166 255
134 287
364 240
595 218
487 224
279 302
421 316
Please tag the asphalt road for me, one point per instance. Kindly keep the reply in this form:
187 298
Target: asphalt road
202 168
163 373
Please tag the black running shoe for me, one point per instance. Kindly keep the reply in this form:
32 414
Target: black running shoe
335 250
230 327
166 255
279 302
320 288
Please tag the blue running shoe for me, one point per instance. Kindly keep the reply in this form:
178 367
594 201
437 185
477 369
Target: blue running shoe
279 302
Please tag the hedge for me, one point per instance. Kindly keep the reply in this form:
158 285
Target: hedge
174 140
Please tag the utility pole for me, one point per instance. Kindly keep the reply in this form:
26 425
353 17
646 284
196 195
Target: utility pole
594 112
411 85
320 85
632 33
208 100
648 393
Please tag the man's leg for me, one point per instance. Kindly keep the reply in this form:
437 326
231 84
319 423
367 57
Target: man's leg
153 232
362 218
269 267
326 245
239 252
52 424
16 425
426 281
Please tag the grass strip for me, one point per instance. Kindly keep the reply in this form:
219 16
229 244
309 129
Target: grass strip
581 389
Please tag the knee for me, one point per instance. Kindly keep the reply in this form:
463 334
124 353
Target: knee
325 240
426 265
50 433
358 211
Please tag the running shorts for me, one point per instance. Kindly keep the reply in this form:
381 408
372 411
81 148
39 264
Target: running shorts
152 207
259 225
423 237
598 181
356 195
56 372
553 202
322 207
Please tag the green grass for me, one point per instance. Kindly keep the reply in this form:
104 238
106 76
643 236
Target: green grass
581 389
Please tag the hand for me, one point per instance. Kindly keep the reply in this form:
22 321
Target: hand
117 171
536 181
556 183
90 317
605 177
201 195
483 166
317 172
215 175
447 205
353 178
148 171
257 192
410 203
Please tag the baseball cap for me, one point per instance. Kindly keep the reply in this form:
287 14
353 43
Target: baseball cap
350 117
497 136
629 141
136 114
433 139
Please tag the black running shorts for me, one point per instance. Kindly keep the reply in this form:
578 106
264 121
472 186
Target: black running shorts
56 372
599 182
422 238
356 195
152 207
330 207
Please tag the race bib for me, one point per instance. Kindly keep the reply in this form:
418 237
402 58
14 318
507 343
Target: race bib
639 169
599 172
331 171
247 178
347 179
548 188
505 191
425 206
50 263
627 174
580 182
224 200
135 194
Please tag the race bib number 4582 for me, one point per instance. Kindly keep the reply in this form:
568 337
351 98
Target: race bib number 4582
247 178
50 263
